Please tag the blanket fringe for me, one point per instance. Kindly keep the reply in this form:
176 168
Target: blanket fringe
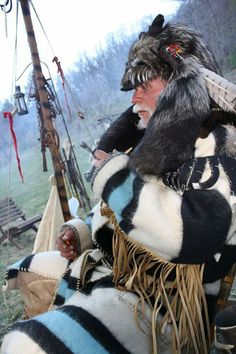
139 270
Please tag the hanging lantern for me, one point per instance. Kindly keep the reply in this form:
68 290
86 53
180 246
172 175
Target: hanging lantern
20 102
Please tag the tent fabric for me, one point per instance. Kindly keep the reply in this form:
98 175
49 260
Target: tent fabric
51 222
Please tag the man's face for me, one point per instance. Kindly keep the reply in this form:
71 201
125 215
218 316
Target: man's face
145 98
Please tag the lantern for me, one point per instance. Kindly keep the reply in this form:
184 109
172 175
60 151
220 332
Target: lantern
20 102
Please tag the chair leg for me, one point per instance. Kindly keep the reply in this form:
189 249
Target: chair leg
15 243
34 228
4 237
10 239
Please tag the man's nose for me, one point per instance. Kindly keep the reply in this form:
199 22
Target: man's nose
137 96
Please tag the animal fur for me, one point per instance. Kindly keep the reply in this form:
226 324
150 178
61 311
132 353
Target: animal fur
184 104
146 61
122 134
174 127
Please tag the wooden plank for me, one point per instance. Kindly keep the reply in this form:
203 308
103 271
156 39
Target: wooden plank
9 212
6 208
25 225
13 217
16 214
9 206
7 201
5 212
5 222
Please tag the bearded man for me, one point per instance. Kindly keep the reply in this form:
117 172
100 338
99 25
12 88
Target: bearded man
163 235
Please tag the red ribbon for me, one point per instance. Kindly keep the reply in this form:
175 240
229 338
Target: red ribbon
10 117
175 50
60 71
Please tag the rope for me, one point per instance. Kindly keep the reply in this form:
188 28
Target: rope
83 120
3 7
24 71
65 81
9 186
5 18
41 25
15 53
68 136
65 85
8 215
60 71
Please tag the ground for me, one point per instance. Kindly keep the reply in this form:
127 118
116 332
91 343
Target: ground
11 306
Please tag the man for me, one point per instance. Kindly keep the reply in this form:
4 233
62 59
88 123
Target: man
144 100
166 224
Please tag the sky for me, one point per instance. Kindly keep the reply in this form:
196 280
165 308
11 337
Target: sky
72 28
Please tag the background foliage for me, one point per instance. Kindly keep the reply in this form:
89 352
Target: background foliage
95 81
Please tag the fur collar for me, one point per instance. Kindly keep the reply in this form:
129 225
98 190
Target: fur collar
174 127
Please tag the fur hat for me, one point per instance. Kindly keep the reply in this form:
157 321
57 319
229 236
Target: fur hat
146 60
184 104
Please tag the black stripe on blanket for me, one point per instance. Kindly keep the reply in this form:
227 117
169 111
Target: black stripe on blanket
26 263
38 332
11 274
72 283
129 211
95 328
59 300
24 266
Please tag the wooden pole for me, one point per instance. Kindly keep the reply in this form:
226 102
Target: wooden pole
51 134
226 286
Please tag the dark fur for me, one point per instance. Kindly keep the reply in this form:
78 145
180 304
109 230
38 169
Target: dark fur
122 134
183 106
146 61
174 127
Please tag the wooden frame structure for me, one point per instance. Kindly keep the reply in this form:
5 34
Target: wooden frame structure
13 221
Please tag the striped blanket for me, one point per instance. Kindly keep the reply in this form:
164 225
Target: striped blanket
98 319
93 316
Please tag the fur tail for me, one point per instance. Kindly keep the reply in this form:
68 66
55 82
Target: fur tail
222 91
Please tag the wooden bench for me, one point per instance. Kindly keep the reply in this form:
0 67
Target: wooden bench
13 221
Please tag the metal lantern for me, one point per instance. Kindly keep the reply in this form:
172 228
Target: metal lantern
20 102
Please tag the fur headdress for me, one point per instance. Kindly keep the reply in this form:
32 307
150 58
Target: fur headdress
184 104
146 60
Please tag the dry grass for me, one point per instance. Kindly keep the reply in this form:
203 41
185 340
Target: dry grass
11 306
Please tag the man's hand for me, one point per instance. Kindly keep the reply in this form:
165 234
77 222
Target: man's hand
100 155
66 243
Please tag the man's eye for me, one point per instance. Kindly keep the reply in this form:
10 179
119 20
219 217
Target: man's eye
145 87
